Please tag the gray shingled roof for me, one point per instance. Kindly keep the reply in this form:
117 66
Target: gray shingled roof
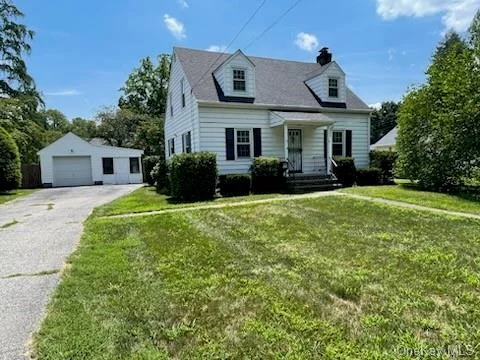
390 139
278 82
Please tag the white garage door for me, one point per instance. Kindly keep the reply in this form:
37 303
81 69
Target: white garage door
72 171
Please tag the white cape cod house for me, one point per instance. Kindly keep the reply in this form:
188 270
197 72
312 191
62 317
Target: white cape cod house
241 107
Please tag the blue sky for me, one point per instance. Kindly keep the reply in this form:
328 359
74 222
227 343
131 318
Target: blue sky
84 50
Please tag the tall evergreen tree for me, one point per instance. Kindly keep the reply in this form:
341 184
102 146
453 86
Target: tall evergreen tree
14 43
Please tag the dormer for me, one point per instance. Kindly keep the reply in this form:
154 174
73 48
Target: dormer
328 82
236 76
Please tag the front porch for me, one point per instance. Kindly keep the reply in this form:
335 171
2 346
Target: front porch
307 142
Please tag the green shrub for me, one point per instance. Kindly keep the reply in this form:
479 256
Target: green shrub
149 163
345 171
193 176
10 168
159 175
235 185
385 161
267 175
369 176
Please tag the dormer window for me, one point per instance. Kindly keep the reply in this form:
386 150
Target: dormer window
333 88
239 82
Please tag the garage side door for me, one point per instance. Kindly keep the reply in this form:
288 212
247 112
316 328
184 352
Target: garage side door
72 171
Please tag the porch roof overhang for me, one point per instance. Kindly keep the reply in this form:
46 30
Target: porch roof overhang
279 118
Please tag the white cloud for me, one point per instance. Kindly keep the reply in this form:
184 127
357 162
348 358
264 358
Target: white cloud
176 27
307 42
376 106
183 3
69 92
217 48
391 54
457 14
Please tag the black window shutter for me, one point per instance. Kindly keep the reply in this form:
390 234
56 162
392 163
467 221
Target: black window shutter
325 135
257 142
348 145
230 143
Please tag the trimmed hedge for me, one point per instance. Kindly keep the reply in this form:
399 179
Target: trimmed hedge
149 163
267 175
159 175
345 171
10 168
235 185
369 176
385 161
193 176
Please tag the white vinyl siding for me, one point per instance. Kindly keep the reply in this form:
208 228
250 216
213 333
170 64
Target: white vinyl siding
320 84
69 155
214 121
184 119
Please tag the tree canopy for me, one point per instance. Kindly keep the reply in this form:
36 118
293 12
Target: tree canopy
383 120
145 91
439 122
14 43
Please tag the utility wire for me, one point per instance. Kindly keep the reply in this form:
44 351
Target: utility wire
231 42
280 18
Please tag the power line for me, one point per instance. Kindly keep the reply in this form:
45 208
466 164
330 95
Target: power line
280 18
231 42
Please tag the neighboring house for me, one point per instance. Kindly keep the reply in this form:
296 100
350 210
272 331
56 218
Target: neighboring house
387 142
241 107
72 161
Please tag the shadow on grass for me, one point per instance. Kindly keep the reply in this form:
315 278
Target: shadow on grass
470 194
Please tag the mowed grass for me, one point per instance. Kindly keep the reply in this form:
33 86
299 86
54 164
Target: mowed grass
330 278
146 199
14 194
468 203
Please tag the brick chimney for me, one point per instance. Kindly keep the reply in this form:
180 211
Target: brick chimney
325 57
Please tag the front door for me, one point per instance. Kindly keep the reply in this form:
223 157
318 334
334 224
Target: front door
295 150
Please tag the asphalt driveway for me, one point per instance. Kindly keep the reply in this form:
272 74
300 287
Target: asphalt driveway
37 233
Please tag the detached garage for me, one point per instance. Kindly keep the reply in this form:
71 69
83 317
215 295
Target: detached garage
72 161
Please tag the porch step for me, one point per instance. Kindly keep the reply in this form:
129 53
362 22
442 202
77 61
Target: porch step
300 184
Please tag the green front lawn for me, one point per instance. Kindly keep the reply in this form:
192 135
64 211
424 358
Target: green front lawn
331 278
14 194
409 194
147 199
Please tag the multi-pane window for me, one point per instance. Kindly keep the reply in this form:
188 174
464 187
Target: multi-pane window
107 166
182 86
243 144
239 81
338 143
171 147
333 88
187 142
134 165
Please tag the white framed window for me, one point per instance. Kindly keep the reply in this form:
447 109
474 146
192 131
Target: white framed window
171 105
338 143
171 147
182 87
243 143
333 87
239 80
187 142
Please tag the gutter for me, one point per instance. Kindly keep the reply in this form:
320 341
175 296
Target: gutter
283 107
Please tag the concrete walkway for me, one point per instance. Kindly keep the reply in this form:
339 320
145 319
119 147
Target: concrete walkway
412 206
37 233
226 205
296 197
